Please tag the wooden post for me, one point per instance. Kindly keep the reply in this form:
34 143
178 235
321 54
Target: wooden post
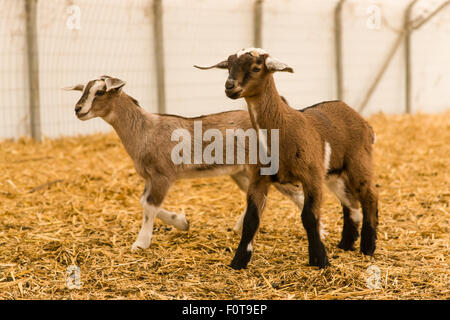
338 49
159 54
33 68
257 23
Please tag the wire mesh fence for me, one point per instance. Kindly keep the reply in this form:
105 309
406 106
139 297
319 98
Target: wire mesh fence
80 40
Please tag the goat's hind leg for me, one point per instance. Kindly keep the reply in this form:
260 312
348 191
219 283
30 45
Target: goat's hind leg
293 192
339 185
361 179
352 217
369 203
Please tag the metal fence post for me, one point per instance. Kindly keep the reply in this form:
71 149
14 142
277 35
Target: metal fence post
257 23
159 54
407 28
410 26
338 49
33 68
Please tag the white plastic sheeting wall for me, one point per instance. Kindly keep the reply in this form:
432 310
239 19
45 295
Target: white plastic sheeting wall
430 55
203 33
301 33
14 97
116 38
365 48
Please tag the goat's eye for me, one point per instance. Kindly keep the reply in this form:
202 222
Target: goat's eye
256 70
100 93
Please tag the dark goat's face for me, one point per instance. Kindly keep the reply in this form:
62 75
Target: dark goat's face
246 71
95 95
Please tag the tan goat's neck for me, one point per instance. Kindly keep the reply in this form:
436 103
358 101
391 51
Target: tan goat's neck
267 108
129 121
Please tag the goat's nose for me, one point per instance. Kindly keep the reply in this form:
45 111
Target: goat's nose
77 109
229 84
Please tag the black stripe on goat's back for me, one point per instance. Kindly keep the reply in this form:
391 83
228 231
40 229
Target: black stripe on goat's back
317 104
194 118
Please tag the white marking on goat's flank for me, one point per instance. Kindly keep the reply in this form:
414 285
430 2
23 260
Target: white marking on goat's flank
355 215
327 155
259 51
299 199
337 186
249 247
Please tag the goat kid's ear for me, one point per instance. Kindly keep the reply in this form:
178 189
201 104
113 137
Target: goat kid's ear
220 65
114 83
273 65
78 87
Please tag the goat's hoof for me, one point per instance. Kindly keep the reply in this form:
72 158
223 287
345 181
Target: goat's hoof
139 245
321 262
369 250
368 241
346 246
241 260
182 223
237 265
186 225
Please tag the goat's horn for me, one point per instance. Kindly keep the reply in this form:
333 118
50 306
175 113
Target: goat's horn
78 87
220 65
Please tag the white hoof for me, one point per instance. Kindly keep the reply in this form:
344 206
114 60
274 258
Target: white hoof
139 245
181 222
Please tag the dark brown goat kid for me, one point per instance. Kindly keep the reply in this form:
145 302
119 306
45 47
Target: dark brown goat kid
326 143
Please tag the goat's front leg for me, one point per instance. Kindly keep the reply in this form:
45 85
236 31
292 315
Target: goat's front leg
151 200
238 226
242 182
256 199
292 192
311 222
174 219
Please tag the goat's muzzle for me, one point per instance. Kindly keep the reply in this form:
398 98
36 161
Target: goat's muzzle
78 112
234 93
232 90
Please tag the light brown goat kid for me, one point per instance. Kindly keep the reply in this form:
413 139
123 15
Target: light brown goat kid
147 138
326 143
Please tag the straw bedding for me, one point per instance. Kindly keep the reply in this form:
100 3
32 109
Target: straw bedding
75 201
